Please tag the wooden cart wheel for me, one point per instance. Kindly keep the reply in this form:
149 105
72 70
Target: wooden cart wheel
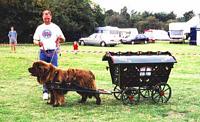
130 96
161 93
145 92
117 92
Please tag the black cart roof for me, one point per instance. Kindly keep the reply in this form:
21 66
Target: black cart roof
139 58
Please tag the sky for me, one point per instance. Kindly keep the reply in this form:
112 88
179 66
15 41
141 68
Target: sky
179 7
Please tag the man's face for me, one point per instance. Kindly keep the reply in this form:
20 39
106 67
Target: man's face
47 17
12 28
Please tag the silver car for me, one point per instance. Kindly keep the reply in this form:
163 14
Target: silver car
99 39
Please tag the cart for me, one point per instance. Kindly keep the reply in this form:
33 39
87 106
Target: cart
137 74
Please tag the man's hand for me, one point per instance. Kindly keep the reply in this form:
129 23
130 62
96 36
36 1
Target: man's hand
40 44
58 40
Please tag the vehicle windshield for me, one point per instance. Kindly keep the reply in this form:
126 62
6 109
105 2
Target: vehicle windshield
92 36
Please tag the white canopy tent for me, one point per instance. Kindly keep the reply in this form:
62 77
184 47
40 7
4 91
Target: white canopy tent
178 30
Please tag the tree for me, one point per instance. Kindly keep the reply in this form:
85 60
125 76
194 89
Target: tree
75 17
22 14
125 18
149 23
121 20
135 18
188 15
99 16
111 18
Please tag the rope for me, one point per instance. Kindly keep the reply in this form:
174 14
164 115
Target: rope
98 52
103 52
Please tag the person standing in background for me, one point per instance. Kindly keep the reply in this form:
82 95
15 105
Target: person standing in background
48 36
12 35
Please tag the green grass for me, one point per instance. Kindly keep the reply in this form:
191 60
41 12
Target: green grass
21 95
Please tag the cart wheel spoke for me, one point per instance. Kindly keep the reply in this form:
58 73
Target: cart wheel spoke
118 96
145 93
157 99
162 99
166 89
165 98
157 96
117 92
163 87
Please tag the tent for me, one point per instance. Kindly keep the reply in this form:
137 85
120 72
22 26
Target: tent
154 34
178 30
193 22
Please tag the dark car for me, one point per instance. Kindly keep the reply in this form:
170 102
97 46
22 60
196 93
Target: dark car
140 38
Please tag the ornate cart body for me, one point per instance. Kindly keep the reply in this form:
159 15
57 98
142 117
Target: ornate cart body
137 74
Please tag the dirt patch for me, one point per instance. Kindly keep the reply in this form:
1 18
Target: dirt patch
175 115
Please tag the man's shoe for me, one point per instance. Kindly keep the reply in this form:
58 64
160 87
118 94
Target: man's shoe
45 96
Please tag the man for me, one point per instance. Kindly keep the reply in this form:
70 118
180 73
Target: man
12 39
47 36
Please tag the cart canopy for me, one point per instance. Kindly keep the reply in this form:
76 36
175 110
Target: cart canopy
142 58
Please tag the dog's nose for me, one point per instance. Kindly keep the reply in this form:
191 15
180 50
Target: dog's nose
30 69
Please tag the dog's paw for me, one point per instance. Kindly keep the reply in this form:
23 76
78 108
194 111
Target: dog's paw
49 103
81 101
98 102
55 105
63 105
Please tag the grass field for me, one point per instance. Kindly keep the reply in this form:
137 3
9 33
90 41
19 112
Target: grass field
21 96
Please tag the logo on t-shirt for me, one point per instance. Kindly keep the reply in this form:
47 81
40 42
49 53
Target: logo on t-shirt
46 34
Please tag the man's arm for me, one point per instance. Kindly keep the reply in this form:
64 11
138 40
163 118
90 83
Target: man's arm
36 42
61 37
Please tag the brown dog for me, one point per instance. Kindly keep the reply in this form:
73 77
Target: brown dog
46 73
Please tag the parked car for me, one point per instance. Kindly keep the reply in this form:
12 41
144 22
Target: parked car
140 38
99 39
127 39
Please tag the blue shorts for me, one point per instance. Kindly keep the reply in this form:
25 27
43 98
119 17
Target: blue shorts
49 56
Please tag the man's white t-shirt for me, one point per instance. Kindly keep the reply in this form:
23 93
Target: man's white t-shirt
48 34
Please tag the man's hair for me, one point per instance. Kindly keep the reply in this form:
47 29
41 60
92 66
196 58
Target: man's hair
46 11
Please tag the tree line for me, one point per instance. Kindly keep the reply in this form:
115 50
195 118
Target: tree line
77 18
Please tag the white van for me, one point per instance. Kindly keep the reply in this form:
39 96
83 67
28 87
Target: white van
128 32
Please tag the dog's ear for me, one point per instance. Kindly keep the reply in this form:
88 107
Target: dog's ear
43 70
52 70
43 67
36 64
